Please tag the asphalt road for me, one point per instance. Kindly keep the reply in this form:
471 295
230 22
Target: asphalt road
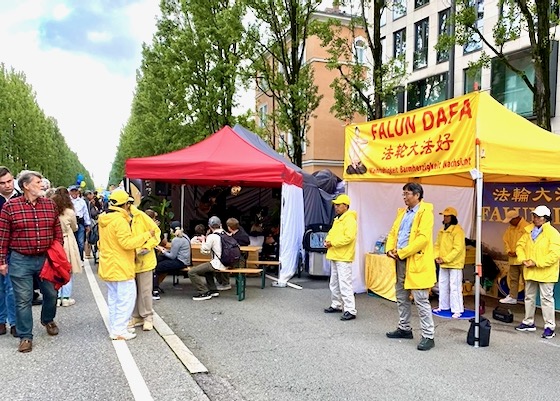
277 344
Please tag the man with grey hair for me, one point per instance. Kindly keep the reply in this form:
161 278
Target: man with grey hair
28 226
213 245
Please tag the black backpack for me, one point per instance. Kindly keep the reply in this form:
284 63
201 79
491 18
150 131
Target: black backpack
231 253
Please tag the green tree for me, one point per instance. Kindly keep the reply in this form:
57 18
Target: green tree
280 33
364 83
187 81
533 17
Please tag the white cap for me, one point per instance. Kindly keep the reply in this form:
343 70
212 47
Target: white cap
541 211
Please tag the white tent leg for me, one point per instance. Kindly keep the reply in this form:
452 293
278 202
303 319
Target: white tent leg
182 205
478 259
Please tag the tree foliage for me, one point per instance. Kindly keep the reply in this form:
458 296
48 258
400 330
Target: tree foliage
280 33
532 17
187 81
30 140
362 85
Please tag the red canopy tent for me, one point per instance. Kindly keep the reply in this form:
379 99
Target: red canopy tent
224 158
235 157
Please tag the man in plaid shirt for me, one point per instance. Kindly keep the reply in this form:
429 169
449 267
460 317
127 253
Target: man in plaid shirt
28 226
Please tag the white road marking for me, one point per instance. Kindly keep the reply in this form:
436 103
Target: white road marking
136 382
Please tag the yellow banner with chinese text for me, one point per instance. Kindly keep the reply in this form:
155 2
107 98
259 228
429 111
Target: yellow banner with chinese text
433 140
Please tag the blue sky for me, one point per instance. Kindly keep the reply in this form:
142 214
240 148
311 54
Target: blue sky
81 59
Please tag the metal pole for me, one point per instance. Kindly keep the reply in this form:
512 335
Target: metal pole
478 258
182 205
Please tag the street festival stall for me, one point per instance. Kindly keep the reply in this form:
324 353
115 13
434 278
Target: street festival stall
446 147
237 157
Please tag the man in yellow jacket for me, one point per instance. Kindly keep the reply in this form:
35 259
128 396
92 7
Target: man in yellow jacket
341 244
117 247
410 244
516 228
539 252
145 262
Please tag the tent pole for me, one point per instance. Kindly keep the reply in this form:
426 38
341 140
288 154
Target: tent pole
478 259
182 205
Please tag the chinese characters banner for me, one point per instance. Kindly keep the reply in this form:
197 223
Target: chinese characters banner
434 140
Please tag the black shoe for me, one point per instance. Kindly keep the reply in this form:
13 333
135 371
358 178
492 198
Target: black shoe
202 297
330 309
426 344
347 316
214 293
399 333
155 295
37 301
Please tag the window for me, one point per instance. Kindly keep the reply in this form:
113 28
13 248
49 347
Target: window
394 104
420 3
426 91
475 43
383 19
399 9
510 20
399 43
360 50
263 110
421 44
443 28
471 78
508 88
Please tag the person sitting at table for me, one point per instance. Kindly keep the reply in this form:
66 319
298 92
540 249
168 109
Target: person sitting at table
242 238
177 257
200 234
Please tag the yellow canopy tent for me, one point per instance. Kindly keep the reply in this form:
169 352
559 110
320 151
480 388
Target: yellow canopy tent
457 142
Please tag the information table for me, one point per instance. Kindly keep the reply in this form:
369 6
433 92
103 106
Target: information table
381 275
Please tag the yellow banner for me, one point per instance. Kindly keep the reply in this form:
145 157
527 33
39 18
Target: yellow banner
438 139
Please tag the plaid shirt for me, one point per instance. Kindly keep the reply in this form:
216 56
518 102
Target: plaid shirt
28 229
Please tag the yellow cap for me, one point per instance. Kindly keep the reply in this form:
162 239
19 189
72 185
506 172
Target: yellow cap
449 211
119 197
342 198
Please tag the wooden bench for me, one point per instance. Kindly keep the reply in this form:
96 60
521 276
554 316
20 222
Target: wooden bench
239 273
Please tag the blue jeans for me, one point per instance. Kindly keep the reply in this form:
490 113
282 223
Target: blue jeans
7 301
81 239
22 269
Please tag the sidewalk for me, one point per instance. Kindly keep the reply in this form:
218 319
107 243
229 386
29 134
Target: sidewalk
81 363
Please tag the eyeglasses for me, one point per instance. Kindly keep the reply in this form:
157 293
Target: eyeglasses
407 193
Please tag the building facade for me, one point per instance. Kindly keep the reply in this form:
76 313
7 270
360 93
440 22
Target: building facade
412 28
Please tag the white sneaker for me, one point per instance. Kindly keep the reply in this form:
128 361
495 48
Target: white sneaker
68 301
126 337
508 300
223 287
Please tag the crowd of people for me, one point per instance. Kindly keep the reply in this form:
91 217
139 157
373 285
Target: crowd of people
44 228
533 251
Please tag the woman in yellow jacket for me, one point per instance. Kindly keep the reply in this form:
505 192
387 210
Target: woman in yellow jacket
449 253
145 263
539 251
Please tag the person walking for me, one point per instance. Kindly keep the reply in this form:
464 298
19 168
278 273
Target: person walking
117 247
538 249
145 262
69 225
410 244
7 300
450 251
516 228
341 245
28 226
82 214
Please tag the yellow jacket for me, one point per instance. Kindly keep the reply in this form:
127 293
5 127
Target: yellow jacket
142 223
342 237
419 253
511 236
450 246
117 245
545 252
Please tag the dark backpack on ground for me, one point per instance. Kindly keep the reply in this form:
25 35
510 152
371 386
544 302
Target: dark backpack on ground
231 253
